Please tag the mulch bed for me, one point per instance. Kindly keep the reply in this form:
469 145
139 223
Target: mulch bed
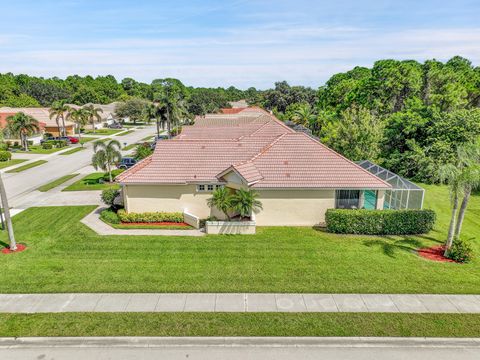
434 253
156 223
20 248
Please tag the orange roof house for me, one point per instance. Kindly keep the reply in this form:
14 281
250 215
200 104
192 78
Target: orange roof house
296 177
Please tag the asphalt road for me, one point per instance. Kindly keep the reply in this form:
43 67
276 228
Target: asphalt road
20 184
343 349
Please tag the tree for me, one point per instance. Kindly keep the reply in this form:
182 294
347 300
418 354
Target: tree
462 177
58 111
22 125
93 114
106 155
156 111
358 134
80 117
142 151
133 109
245 202
304 115
222 200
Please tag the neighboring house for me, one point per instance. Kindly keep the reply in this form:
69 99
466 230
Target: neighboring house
42 115
107 117
297 178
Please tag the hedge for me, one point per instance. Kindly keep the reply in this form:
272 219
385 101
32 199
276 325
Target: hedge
379 222
5 155
150 217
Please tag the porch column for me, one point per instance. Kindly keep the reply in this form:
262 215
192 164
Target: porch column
380 199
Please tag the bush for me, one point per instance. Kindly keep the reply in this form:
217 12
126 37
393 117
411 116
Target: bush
109 216
115 173
142 151
108 196
150 217
47 145
3 146
379 222
5 155
461 251
60 143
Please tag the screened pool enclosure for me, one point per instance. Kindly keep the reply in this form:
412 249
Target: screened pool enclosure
404 194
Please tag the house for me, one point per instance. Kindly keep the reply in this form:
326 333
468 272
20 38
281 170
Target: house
297 178
42 115
107 116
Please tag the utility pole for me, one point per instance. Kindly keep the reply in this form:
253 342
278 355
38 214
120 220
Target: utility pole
8 219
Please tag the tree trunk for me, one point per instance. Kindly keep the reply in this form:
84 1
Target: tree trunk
168 124
461 213
158 127
24 141
93 125
58 126
109 172
452 224
64 127
8 220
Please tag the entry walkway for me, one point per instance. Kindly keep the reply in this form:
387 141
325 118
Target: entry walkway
226 302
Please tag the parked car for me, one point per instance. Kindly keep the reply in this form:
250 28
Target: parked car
115 125
73 139
126 163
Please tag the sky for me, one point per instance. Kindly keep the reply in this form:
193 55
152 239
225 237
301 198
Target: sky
239 42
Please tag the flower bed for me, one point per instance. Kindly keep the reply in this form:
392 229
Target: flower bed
163 223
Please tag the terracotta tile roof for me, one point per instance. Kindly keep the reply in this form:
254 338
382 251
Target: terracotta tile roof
264 151
40 114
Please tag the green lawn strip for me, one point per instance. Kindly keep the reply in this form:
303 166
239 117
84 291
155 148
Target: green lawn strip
129 147
27 166
56 182
240 324
103 132
126 133
86 139
4 164
72 151
90 182
64 255
37 149
147 138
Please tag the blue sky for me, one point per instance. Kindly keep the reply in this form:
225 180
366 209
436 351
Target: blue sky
221 43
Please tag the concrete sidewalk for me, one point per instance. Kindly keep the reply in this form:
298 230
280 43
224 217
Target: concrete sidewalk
226 302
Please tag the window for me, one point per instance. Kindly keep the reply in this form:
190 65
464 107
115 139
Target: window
347 199
200 187
218 186
210 187
207 187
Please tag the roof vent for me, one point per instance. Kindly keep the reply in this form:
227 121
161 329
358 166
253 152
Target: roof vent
285 162
194 176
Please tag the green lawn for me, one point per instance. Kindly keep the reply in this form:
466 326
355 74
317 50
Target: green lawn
37 149
129 147
4 164
103 132
27 166
240 324
72 151
90 182
56 182
86 139
66 256
147 138
126 133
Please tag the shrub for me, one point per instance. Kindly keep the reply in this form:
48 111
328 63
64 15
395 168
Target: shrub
379 222
150 217
3 146
109 216
47 145
115 173
108 196
60 143
5 155
461 251
142 151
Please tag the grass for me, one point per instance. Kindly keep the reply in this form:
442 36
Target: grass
27 166
240 324
129 147
146 138
72 151
37 149
56 182
103 132
4 164
149 226
86 139
66 256
90 182
126 133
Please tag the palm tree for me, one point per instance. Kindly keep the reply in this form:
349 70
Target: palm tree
155 111
58 111
174 106
222 200
93 114
22 125
304 115
462 178
245 202
106 155
79 117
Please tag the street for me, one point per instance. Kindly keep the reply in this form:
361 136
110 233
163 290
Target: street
240 348
20 185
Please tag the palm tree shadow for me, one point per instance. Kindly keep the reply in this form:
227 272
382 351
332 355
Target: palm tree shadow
4 244
390 246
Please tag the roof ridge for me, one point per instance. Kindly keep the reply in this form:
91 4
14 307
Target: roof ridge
267 147
138 166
